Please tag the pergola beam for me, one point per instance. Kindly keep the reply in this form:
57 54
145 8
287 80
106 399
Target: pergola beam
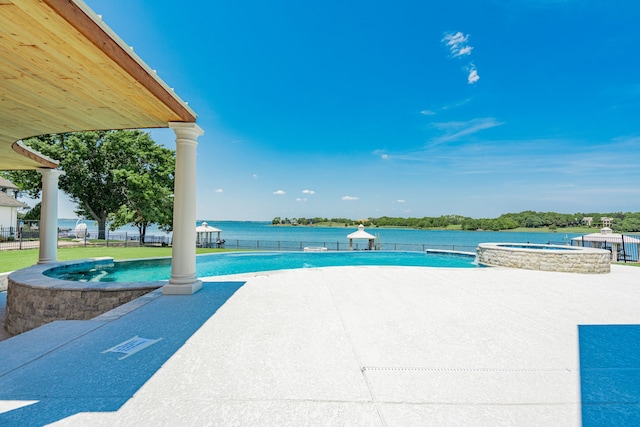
80 17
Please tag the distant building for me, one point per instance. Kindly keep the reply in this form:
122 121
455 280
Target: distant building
587 220
9 205
606 222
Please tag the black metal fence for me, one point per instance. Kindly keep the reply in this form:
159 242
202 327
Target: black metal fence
12 238
7 234
30 239
280 245
624 248
125 240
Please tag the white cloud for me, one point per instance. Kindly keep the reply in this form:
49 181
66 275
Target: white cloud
456 104
456 130
279 192
473 74
219 190
350 198
380 153
464 51
400 201
308 192
457 44
255 175
301 199
445 107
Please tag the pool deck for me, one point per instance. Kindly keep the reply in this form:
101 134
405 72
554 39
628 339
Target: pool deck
379 346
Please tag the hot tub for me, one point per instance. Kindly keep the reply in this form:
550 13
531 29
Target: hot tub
568 259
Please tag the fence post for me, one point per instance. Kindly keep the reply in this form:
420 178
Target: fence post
107 237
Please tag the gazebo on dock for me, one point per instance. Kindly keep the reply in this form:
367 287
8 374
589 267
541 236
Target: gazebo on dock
619 245
361 234
204 235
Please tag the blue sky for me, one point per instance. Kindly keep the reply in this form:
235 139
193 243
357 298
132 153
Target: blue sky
404 108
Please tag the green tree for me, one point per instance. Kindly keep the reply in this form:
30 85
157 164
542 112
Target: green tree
470 224
33 213
148 189
631 223
109 174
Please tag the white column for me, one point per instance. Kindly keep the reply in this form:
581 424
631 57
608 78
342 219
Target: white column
49 216
183 265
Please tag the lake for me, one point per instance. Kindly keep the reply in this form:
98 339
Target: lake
235 231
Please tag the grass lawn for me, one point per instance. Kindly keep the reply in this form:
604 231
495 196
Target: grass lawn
17 259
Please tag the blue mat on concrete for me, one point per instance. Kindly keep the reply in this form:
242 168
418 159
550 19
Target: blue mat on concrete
610 375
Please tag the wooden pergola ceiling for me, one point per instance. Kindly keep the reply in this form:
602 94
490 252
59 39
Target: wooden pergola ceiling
63 70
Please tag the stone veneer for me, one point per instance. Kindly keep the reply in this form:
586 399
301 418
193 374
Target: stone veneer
545 257
34 299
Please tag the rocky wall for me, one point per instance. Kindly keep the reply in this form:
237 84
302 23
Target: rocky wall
578 260
34 299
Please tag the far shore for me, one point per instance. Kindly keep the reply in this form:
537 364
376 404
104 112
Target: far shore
574 230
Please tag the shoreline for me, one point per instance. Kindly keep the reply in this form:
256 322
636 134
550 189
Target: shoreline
573 230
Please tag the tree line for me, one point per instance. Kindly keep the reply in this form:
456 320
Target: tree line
310 221
620 222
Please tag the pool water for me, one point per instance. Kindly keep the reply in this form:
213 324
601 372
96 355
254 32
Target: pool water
247 262
536 247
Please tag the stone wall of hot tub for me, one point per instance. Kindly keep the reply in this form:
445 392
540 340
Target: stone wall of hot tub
545 257
34 299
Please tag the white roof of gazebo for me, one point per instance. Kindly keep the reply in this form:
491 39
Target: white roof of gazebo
606 235
361 234
206 228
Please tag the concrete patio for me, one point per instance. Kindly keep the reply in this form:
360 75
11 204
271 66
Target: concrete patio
394 346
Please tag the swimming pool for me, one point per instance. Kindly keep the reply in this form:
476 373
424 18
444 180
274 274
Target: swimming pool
221 264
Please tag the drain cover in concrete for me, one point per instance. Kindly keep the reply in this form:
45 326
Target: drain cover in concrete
131 346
